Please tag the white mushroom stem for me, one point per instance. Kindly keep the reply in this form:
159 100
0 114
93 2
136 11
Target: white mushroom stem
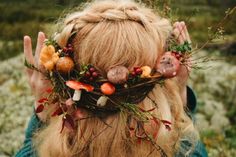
102 101
77 95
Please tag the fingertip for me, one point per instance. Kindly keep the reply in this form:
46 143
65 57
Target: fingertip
176 23
41 34
176 32
27 38
182 23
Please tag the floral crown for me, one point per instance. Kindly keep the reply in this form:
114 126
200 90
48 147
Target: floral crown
76 86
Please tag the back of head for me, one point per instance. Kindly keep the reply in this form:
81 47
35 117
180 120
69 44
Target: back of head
107 34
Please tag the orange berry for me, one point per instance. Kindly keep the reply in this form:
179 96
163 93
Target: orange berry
107 88
64 65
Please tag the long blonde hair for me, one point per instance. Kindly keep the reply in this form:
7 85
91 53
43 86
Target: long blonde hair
110 33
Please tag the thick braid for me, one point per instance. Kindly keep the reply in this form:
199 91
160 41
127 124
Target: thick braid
110 11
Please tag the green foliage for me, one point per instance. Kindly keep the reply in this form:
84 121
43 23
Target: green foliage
9 49
185 47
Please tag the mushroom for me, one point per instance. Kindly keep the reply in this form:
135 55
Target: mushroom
118 74
102 100
168 65
48 57
77 86
146 71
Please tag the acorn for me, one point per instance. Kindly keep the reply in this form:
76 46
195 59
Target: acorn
64 65
118 75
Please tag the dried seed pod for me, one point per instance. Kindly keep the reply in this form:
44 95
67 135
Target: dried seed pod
64 65
118 74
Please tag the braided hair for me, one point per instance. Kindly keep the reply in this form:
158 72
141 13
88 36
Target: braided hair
106 34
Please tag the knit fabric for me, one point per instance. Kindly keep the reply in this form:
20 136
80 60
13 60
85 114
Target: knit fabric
28 150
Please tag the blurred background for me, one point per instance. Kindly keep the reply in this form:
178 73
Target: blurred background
214 85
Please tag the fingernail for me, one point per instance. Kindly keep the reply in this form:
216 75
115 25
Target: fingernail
175 24
26 37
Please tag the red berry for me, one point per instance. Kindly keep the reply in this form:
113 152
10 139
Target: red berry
91 69
95 74
91 78
64 49
138 71
87 74
69 45
70 49
135 68
133 73
177 56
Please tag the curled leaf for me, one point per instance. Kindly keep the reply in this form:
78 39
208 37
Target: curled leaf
39 108
57 112
167 124
42 100
49 90
143 110
68 122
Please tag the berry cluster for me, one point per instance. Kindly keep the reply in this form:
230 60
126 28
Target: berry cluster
91 74
137 71
177 54
68 49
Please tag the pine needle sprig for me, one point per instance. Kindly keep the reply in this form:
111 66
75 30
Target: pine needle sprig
32 67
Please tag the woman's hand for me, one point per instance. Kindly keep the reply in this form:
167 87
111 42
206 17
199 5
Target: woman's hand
181 33
36 80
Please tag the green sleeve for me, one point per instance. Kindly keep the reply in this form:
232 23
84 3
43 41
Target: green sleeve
27 150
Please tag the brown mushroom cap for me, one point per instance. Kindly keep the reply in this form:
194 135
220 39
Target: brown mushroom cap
118 75
168 65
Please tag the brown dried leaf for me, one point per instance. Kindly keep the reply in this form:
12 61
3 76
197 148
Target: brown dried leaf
68 122
57 112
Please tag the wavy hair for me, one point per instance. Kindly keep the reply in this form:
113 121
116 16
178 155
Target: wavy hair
105 34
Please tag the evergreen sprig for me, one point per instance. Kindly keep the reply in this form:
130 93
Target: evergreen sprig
31 66
183 48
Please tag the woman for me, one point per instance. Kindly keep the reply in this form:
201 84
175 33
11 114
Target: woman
110 35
